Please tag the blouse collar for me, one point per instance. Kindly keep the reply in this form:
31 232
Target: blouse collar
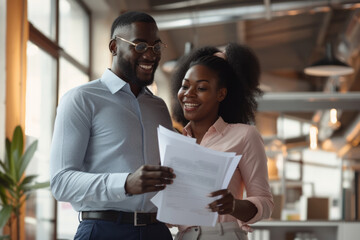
218 127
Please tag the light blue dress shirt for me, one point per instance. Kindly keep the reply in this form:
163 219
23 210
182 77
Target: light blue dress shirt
102 133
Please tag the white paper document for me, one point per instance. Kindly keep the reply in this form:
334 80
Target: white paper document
199 171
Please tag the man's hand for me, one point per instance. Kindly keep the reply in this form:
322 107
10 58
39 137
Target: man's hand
149 178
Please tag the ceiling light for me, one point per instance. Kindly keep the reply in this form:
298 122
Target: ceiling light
333 116
333 122
313 137
329 66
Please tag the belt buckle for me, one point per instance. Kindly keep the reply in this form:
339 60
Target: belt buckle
136 220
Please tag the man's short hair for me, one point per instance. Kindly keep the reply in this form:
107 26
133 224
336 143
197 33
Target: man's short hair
130 17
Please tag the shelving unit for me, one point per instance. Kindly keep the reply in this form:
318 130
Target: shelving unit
322 230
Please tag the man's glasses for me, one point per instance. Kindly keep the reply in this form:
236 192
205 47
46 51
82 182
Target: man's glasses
142 47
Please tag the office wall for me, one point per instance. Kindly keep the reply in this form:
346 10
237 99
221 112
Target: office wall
2 76
100 37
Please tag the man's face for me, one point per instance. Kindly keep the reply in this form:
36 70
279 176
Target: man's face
134 67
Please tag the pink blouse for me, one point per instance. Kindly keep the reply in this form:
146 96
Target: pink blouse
251 173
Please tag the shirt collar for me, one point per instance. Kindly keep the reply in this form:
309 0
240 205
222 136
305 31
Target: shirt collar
187 130
218 126
114 83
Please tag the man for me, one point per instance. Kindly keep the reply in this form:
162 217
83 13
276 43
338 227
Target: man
104 154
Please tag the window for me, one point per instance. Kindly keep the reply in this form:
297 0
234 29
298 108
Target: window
305 173
55 64
70 77
41 13
41 89
2 76
40 114
292 128
74 31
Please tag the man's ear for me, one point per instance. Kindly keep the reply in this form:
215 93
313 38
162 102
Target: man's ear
113 47
221 94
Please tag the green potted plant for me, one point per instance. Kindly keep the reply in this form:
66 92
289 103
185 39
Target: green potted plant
15 186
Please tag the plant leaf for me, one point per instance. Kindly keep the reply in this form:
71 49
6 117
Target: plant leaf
27 180
5 182
17 148
3 166
29 188
5 214
7 155
17 145
3 196
7 191
11 163
25 159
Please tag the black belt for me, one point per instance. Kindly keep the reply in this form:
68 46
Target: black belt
136 218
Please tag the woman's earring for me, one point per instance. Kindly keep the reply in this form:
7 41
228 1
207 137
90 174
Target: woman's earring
114 53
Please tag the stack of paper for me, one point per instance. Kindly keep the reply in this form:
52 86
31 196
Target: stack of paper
199 171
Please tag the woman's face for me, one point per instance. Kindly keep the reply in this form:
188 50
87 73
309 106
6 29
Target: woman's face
199 95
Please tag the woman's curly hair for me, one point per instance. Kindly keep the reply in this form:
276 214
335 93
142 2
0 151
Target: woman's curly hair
178 76
239 73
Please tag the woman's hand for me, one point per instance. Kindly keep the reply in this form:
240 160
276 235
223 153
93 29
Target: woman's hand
225 204
243 210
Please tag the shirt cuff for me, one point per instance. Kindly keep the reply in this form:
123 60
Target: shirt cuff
116 186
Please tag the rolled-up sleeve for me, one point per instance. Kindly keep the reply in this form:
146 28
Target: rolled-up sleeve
253 167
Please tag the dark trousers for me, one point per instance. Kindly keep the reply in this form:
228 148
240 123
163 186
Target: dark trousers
107 230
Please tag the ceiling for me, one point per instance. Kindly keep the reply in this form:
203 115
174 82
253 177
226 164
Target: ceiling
287 36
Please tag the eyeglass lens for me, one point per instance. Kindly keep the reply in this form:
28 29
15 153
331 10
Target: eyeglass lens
142 47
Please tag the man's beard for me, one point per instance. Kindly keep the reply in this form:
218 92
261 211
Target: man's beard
129 73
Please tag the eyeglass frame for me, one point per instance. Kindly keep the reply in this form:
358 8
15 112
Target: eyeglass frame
147 45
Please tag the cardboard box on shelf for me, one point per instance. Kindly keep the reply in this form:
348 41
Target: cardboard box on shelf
314 208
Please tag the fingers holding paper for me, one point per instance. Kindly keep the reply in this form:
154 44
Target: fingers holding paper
149 178
223 205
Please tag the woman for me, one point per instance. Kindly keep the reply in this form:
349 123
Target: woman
217 98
